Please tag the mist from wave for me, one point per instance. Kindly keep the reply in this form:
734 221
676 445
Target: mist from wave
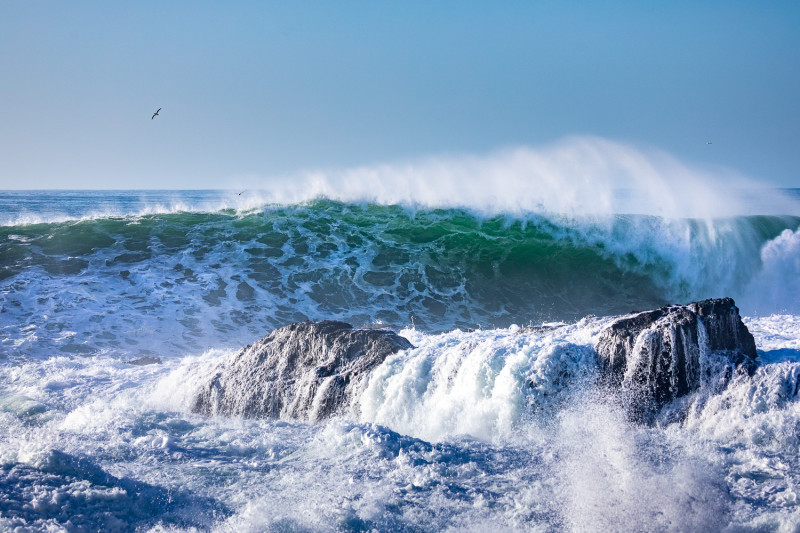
577 176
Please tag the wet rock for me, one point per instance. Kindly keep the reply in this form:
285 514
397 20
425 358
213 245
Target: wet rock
657 356
305 371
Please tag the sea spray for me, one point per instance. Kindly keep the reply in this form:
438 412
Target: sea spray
481 383
176 282
776 285
576 176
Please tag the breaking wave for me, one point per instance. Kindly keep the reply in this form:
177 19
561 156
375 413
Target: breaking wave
189 280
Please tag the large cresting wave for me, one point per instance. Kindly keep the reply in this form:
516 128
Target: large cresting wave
189 280
116 307
582 226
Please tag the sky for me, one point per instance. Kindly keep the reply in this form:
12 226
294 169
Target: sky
252 91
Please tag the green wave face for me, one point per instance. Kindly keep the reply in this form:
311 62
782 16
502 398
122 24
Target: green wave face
202 278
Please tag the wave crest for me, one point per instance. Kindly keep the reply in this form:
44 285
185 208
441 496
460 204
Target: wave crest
578 176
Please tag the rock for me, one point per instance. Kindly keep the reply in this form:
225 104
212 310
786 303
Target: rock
305 371
658 356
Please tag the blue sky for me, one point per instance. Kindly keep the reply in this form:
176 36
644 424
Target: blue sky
254 90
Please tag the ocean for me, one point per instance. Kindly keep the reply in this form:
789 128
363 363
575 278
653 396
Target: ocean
114 305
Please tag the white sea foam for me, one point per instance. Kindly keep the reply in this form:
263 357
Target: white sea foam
479 383
776 286
775 332
45 207
616 476
512 440
761 411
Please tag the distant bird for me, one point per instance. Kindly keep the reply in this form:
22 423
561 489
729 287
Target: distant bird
155 114
241 193
708 142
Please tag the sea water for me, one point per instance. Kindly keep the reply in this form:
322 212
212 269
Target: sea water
113 305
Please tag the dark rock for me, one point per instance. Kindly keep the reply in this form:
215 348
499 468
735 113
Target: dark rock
305 371
661 355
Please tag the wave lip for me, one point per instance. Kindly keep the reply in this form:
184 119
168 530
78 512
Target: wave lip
576 176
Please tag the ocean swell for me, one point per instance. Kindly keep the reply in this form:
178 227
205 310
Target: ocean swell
168 283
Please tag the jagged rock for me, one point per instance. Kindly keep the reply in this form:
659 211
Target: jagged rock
660 355
305 371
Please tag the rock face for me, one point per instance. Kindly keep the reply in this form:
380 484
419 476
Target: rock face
660 355
305 371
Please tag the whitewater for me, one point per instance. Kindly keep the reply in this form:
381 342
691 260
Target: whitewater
500 270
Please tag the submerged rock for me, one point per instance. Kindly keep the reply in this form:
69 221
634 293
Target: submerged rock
305 371
658 356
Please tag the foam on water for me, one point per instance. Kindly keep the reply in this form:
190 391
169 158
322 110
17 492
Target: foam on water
615 476
776 285
454 450
25 208
482 383
775 333
168 284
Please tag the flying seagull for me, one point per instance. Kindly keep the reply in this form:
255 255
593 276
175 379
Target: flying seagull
708 142
155 114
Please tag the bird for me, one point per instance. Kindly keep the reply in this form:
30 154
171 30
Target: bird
155 114
708 142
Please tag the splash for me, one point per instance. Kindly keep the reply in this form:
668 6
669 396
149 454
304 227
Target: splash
575 176
776 287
